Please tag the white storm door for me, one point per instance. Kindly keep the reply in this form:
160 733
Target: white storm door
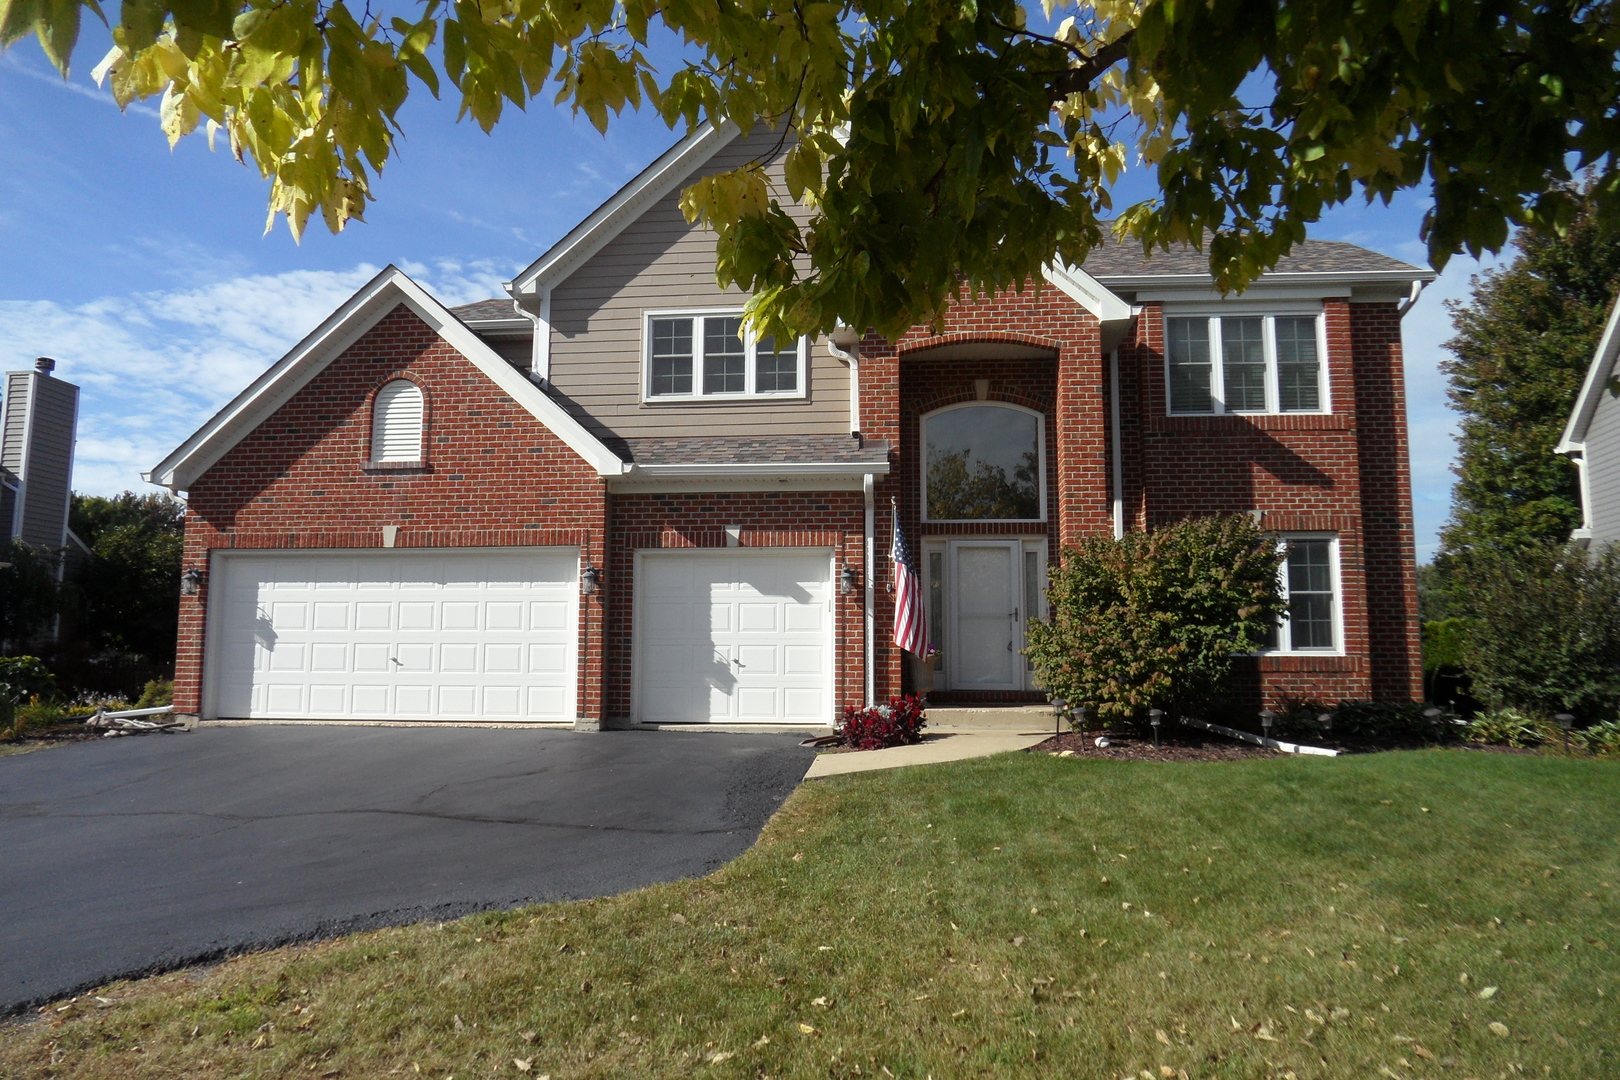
425 634
740 637
986 632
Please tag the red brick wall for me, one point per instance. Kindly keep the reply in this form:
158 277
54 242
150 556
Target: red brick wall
493 475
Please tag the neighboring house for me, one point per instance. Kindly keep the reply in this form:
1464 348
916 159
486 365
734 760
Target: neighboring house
597 501
1592 441
38 416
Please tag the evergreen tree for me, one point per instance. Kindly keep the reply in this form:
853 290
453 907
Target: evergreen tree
1523 344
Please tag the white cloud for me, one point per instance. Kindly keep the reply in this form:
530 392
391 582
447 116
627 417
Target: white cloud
1431 424
154 365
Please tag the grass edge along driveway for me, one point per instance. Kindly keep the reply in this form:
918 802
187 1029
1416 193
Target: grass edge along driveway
1413 915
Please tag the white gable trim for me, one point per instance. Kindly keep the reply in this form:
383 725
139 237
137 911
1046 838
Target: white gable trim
590 236
1085 290
1597 380
327 342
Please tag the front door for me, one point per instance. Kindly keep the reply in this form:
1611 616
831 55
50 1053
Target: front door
986 624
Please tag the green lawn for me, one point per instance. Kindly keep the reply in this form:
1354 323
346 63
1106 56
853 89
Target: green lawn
1427 914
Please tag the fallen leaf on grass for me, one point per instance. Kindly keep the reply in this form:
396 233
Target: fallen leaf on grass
1498 1028
1018 942
821 1001
806 1029
523 1064
763 1040
1265 1033
457 1023
1162 1037
721 1056
678 918
1422 1053
1488 993
958 1014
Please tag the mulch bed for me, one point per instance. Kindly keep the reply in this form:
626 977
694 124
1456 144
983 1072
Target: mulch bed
59 734
1178 744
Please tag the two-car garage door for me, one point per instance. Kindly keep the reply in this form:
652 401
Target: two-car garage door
482 634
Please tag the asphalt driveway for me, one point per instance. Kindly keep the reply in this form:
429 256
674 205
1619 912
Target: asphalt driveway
128 856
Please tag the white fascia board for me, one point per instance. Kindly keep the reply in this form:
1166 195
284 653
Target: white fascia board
327 342
1597 379
611 218
517 324
1089 293
777 469
1255 294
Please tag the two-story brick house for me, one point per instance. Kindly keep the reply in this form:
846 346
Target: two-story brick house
598 501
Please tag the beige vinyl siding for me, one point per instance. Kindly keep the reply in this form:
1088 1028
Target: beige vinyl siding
16 420
1603 470
517 350
660 263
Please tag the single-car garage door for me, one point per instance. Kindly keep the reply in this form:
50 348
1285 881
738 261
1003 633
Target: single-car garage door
416 634
744 636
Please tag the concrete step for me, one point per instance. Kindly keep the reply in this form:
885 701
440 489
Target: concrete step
1005 718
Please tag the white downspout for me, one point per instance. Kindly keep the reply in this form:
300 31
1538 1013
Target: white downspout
1119 465
1406 305
540 351
871 593
852 357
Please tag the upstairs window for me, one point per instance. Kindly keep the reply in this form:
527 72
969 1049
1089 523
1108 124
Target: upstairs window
396 422
1245 364
692 357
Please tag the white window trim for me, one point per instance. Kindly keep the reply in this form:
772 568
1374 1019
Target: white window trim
1217 374
1284 637
1040 446
750 346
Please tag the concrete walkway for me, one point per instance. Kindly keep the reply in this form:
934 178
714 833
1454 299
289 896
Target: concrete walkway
954 733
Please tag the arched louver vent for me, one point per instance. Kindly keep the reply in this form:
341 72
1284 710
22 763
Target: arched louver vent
396 422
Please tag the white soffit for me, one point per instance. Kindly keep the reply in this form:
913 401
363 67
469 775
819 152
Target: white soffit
1597 380
670 171
327 342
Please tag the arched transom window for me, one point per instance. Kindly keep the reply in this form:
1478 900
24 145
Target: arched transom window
983 462
396 422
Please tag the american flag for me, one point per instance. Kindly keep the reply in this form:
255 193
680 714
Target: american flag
910 615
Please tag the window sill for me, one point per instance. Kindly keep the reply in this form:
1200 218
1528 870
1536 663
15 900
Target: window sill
394 467
722 399
1307 661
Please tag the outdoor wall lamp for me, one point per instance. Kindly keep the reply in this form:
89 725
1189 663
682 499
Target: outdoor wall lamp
1155 717
847 580
590 579
190 582
1267 718
1565 721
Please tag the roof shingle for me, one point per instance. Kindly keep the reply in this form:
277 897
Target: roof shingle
1116 259
758 450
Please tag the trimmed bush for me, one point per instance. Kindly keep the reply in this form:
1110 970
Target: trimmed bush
1154 619
899 723
1375 723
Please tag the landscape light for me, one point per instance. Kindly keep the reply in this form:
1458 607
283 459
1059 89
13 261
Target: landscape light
1155 717
1059 708
1565 722
1326 720
1267 718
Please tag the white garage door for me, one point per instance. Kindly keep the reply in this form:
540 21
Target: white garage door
743 636
411 635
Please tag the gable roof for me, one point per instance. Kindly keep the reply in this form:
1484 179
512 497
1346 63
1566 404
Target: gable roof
1598 374
381 295
607 221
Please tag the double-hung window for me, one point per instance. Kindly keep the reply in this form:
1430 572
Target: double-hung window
1310 585
1245 364
710 355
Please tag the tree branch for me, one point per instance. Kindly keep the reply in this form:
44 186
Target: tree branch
1076 79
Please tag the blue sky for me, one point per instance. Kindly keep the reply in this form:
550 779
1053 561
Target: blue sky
148 276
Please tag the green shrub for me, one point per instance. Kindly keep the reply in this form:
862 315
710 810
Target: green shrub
157 692
1543 631
23 678
1372 722
1154 619
1507 727
1601 738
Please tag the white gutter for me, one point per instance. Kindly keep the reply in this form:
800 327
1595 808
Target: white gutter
871 592
767 469
852 357
1119 464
